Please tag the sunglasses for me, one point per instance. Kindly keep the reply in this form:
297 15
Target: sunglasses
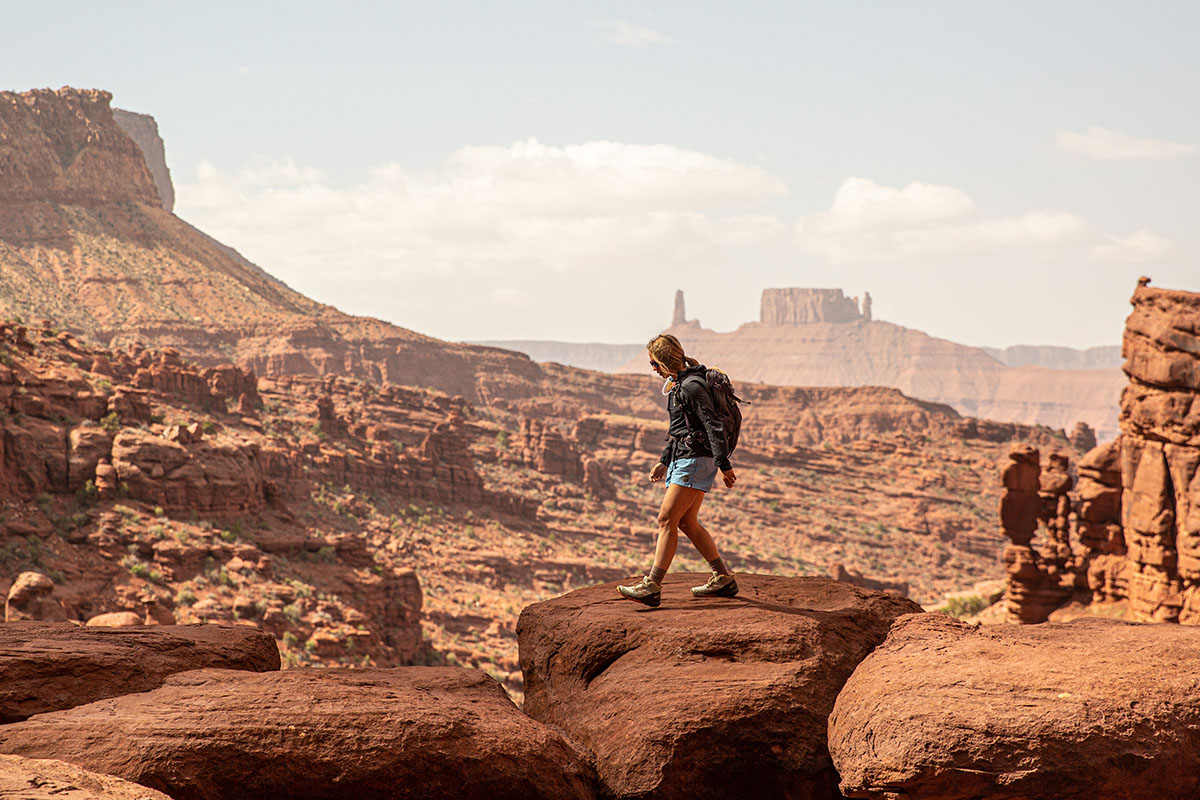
653 364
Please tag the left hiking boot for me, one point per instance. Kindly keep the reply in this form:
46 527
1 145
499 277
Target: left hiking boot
717 586
644 591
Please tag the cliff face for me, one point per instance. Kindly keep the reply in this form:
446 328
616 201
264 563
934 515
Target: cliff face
64 147
144 131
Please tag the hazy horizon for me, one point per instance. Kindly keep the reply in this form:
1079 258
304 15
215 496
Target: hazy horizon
994 176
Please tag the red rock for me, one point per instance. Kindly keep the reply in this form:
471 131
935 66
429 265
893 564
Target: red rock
49 779
943 711
325 734
31 597
726 694
47 667
115 619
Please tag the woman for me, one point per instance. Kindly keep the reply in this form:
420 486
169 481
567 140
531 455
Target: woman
689 463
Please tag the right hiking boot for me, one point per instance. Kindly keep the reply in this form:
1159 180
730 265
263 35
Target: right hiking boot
717 586
644 591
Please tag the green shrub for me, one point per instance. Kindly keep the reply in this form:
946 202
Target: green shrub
111 422
185 597
87 494
44 502
961 607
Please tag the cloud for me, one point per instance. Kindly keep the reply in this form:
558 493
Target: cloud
868 222
624 33
1105 145
525 208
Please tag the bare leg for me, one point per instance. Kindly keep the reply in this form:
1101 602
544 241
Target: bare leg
689 523
675 504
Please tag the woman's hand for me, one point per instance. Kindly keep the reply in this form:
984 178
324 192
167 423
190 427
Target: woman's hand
658 473
729 478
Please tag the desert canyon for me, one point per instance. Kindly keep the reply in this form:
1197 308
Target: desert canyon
252 546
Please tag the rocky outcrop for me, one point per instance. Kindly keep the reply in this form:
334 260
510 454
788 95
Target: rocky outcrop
47 667
1082 437
49 779
427 732
727 694
804 306
1101 561
944 711
144 131
64 147
1160 454
31 597
1036 583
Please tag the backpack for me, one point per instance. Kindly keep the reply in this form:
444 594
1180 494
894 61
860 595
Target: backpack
725 404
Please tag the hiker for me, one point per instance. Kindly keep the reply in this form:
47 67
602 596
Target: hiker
696 451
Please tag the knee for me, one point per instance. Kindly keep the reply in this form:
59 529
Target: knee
687 528
665 523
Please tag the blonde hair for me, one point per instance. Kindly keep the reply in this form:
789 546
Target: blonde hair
666 350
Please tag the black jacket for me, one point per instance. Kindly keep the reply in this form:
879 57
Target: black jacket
696 403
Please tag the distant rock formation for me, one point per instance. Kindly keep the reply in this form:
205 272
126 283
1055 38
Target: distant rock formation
818 337
144 131
1023 355
802 306
680 315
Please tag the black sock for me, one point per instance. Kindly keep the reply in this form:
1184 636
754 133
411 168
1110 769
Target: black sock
718 566
657 574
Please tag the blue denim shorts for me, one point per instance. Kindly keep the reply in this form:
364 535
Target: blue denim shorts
694 472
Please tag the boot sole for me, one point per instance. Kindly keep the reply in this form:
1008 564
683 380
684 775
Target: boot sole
729 590
653 600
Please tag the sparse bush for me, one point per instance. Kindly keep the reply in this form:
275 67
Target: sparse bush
111 422
228 536
209 427
158 511
186 597
44 502
961 607
292 612
502 440
290 639
87 494
326 554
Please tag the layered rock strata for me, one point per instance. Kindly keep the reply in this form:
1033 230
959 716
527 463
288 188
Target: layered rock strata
727 694
1160 454
326 734
1053 712
1034 583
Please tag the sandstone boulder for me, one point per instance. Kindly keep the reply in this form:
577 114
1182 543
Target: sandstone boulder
31 597
728 695
48 779
943 710
47 667
414 732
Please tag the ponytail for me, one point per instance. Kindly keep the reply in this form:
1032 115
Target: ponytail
666 350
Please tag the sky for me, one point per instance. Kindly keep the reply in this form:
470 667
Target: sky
992 173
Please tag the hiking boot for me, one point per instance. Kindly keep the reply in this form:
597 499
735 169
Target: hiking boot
644 591
717 586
